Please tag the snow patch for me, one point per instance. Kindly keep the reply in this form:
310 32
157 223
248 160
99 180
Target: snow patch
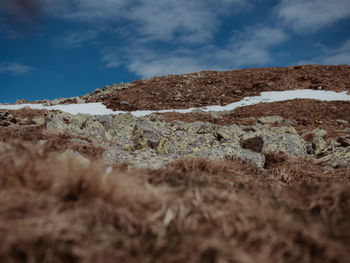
271 96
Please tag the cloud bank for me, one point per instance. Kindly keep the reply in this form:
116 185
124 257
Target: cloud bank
311 15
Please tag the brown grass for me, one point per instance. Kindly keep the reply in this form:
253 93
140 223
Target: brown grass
221 87
53 142
54 210
306 113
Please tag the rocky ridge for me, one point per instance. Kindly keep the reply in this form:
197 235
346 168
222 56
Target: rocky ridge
151 142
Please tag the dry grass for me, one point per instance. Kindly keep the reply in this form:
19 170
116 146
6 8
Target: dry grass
58 210
53 142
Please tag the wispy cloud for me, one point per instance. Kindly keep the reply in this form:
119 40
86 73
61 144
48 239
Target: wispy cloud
251 47
14 68
110 58
74 39
311 15
183 28
189 20
192 21
335 56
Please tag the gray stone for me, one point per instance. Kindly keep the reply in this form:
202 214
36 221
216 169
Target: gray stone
342 122
344 141
254 143
338 158
150 142
271 119
319 132
39 121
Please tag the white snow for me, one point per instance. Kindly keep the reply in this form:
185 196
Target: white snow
272 96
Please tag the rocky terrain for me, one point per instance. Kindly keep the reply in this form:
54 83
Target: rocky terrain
263 183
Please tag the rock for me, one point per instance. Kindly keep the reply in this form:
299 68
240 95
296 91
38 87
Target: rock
346 130
338 158
319 145
150 142
5 123
56 102
21 101
125 103
46 102
342 122
319 121
150 135
271 119
214 115
319 132
281 140
254 143
6 119
344 141
97 91
39 121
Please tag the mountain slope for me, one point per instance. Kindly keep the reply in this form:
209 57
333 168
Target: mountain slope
262 183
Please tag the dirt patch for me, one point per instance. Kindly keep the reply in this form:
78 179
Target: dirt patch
307 114
214 87
193 211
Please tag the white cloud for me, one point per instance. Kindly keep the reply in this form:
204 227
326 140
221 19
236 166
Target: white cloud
189 21
251 47
311 15
14 68
164 66
337 59
111 58
74 39
161 20
334 56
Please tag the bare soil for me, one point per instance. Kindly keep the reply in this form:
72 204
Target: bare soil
214 87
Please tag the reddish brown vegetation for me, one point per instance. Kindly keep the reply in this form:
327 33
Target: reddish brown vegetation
28 114
212 88
309 115
194 211
27 131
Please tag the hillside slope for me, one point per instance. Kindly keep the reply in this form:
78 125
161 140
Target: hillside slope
262 183
214 87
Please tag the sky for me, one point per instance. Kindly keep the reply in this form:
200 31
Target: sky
65 48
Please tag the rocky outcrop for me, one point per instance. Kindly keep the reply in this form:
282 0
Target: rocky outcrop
151 142
6 119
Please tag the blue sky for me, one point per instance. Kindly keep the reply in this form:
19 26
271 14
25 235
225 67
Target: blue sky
64 48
